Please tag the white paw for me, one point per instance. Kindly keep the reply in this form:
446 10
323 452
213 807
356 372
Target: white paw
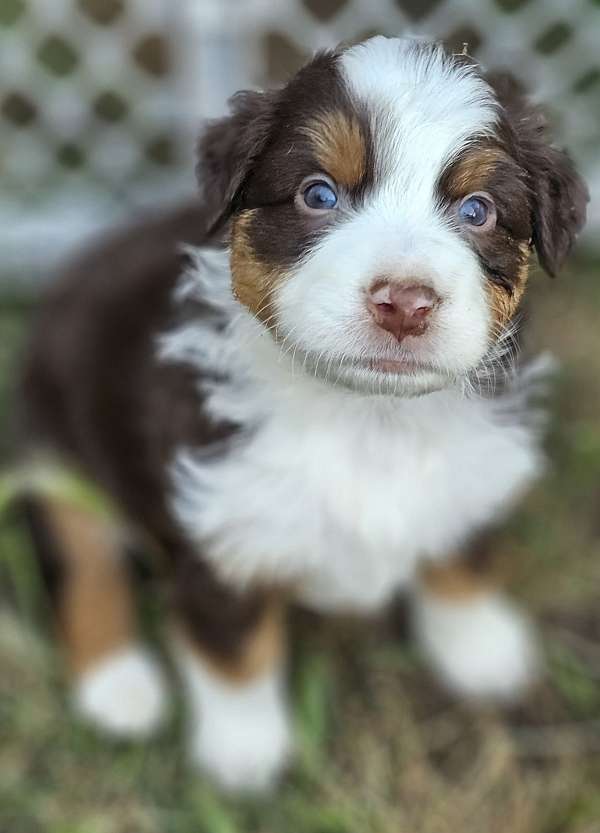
240 733
123 693
242 752
480 648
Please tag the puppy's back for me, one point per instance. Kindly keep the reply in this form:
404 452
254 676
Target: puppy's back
93 392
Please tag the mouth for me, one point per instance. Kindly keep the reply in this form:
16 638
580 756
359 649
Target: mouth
394 366
398 376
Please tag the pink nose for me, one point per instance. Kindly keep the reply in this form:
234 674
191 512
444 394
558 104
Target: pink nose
402 310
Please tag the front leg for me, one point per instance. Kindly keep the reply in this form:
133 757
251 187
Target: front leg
230 649
478 642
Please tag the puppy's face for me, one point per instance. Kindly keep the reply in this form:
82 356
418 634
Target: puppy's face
383 206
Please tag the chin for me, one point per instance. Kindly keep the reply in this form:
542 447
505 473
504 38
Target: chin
379 377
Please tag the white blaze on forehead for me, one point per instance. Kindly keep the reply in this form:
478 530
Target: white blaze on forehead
425 107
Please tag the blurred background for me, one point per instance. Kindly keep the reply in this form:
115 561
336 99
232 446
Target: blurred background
100 100
100 105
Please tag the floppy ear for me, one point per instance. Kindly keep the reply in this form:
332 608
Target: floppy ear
227 149
559 195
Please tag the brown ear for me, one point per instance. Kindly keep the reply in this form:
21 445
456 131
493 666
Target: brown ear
559 195
227 149
560 198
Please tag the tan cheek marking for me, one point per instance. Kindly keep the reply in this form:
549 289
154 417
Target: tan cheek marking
253 282
262 649
455 581
339 147
95 611
473 172
503 305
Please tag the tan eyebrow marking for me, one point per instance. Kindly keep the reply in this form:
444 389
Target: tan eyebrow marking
472 171
339 146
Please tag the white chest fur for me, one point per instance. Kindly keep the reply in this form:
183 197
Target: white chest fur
338 493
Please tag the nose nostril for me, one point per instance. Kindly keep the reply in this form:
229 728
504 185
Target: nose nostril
402 309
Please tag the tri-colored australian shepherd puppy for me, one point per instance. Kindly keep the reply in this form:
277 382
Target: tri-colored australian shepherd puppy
323 405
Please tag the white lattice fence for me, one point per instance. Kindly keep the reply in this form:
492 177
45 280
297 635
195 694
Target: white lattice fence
100 100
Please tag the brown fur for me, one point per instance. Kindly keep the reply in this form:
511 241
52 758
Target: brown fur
95 607
456 581
505 304
261 647
558 196
253 281
503 251
339 146
122 429
473 171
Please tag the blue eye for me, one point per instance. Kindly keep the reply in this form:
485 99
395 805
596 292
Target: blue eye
474 211
320 196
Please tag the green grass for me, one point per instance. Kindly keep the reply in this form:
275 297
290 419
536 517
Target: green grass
381 748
